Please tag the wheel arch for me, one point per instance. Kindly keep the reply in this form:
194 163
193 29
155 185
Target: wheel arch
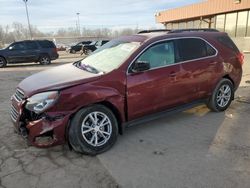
43 54
116 112
229 78
4 58
108 105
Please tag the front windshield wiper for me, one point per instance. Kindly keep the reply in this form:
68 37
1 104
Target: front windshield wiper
88 68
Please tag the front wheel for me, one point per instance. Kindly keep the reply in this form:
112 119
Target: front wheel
93 130
2 62
222 96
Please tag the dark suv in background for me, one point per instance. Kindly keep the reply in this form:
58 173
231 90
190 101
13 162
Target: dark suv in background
127 81
42 51
89 48
78 47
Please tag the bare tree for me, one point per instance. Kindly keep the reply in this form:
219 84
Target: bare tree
17 31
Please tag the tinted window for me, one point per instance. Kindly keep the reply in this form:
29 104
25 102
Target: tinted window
99 43
210 50
226 41
31 45
192 48
86 42
46 44
79 44
159 55
104 42
18 46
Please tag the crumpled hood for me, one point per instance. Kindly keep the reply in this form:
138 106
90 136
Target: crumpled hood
56 78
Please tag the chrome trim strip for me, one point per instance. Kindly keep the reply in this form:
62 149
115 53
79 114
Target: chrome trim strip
168 39
19 95
14 113
16 98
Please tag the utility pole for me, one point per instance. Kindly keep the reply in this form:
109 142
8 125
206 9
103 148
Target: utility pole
78 19
27 13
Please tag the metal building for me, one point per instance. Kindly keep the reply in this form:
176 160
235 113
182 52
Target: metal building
231 16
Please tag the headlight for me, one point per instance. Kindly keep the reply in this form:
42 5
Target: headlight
42 101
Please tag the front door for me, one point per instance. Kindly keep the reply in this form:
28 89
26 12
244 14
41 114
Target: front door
16 52
155 89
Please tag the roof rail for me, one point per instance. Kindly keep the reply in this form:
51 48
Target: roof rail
153 31
193 30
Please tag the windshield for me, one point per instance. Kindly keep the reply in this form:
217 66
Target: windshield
110 56
93 43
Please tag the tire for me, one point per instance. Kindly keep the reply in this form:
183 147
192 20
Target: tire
88 52
90 138
44 60
222 96
73 51
3 62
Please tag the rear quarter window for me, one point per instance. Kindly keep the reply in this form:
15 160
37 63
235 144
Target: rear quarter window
31 45
46 44
193 48
226 41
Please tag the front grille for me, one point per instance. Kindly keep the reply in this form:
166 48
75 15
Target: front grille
14 113
19 95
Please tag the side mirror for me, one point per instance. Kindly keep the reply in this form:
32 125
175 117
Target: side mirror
140 66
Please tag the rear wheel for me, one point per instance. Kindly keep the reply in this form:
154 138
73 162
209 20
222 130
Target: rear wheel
88 52
93 130
44 60
222 96
3 62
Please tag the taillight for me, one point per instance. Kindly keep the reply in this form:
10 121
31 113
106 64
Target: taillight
240 57
55 50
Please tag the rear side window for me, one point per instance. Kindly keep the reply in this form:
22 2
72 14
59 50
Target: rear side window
46 44
31 45
193 48
226 41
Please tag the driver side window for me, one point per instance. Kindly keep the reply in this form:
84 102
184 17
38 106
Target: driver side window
18 46
159 55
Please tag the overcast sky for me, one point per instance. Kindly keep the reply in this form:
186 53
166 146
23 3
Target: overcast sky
49 15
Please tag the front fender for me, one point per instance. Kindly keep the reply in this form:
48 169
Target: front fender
75 98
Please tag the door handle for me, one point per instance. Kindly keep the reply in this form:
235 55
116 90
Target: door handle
213 63
172 74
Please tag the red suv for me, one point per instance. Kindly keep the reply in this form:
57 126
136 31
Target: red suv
127 81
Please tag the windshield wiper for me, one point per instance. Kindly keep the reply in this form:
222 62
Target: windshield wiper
88 68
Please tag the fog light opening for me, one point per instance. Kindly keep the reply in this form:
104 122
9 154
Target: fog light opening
45 139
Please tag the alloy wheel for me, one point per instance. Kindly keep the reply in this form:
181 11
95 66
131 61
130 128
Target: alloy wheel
96 128
1 62
223 95
45 60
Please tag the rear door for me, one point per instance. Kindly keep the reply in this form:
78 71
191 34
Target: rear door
198 64
49 48
32 51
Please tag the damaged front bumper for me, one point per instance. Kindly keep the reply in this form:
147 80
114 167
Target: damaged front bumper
43 131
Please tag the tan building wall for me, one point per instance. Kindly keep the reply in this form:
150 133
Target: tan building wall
203 9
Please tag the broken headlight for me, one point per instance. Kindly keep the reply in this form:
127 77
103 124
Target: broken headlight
40 102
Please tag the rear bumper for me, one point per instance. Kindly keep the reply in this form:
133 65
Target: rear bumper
44 132
54 56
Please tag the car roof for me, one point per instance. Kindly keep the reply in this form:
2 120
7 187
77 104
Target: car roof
153 35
